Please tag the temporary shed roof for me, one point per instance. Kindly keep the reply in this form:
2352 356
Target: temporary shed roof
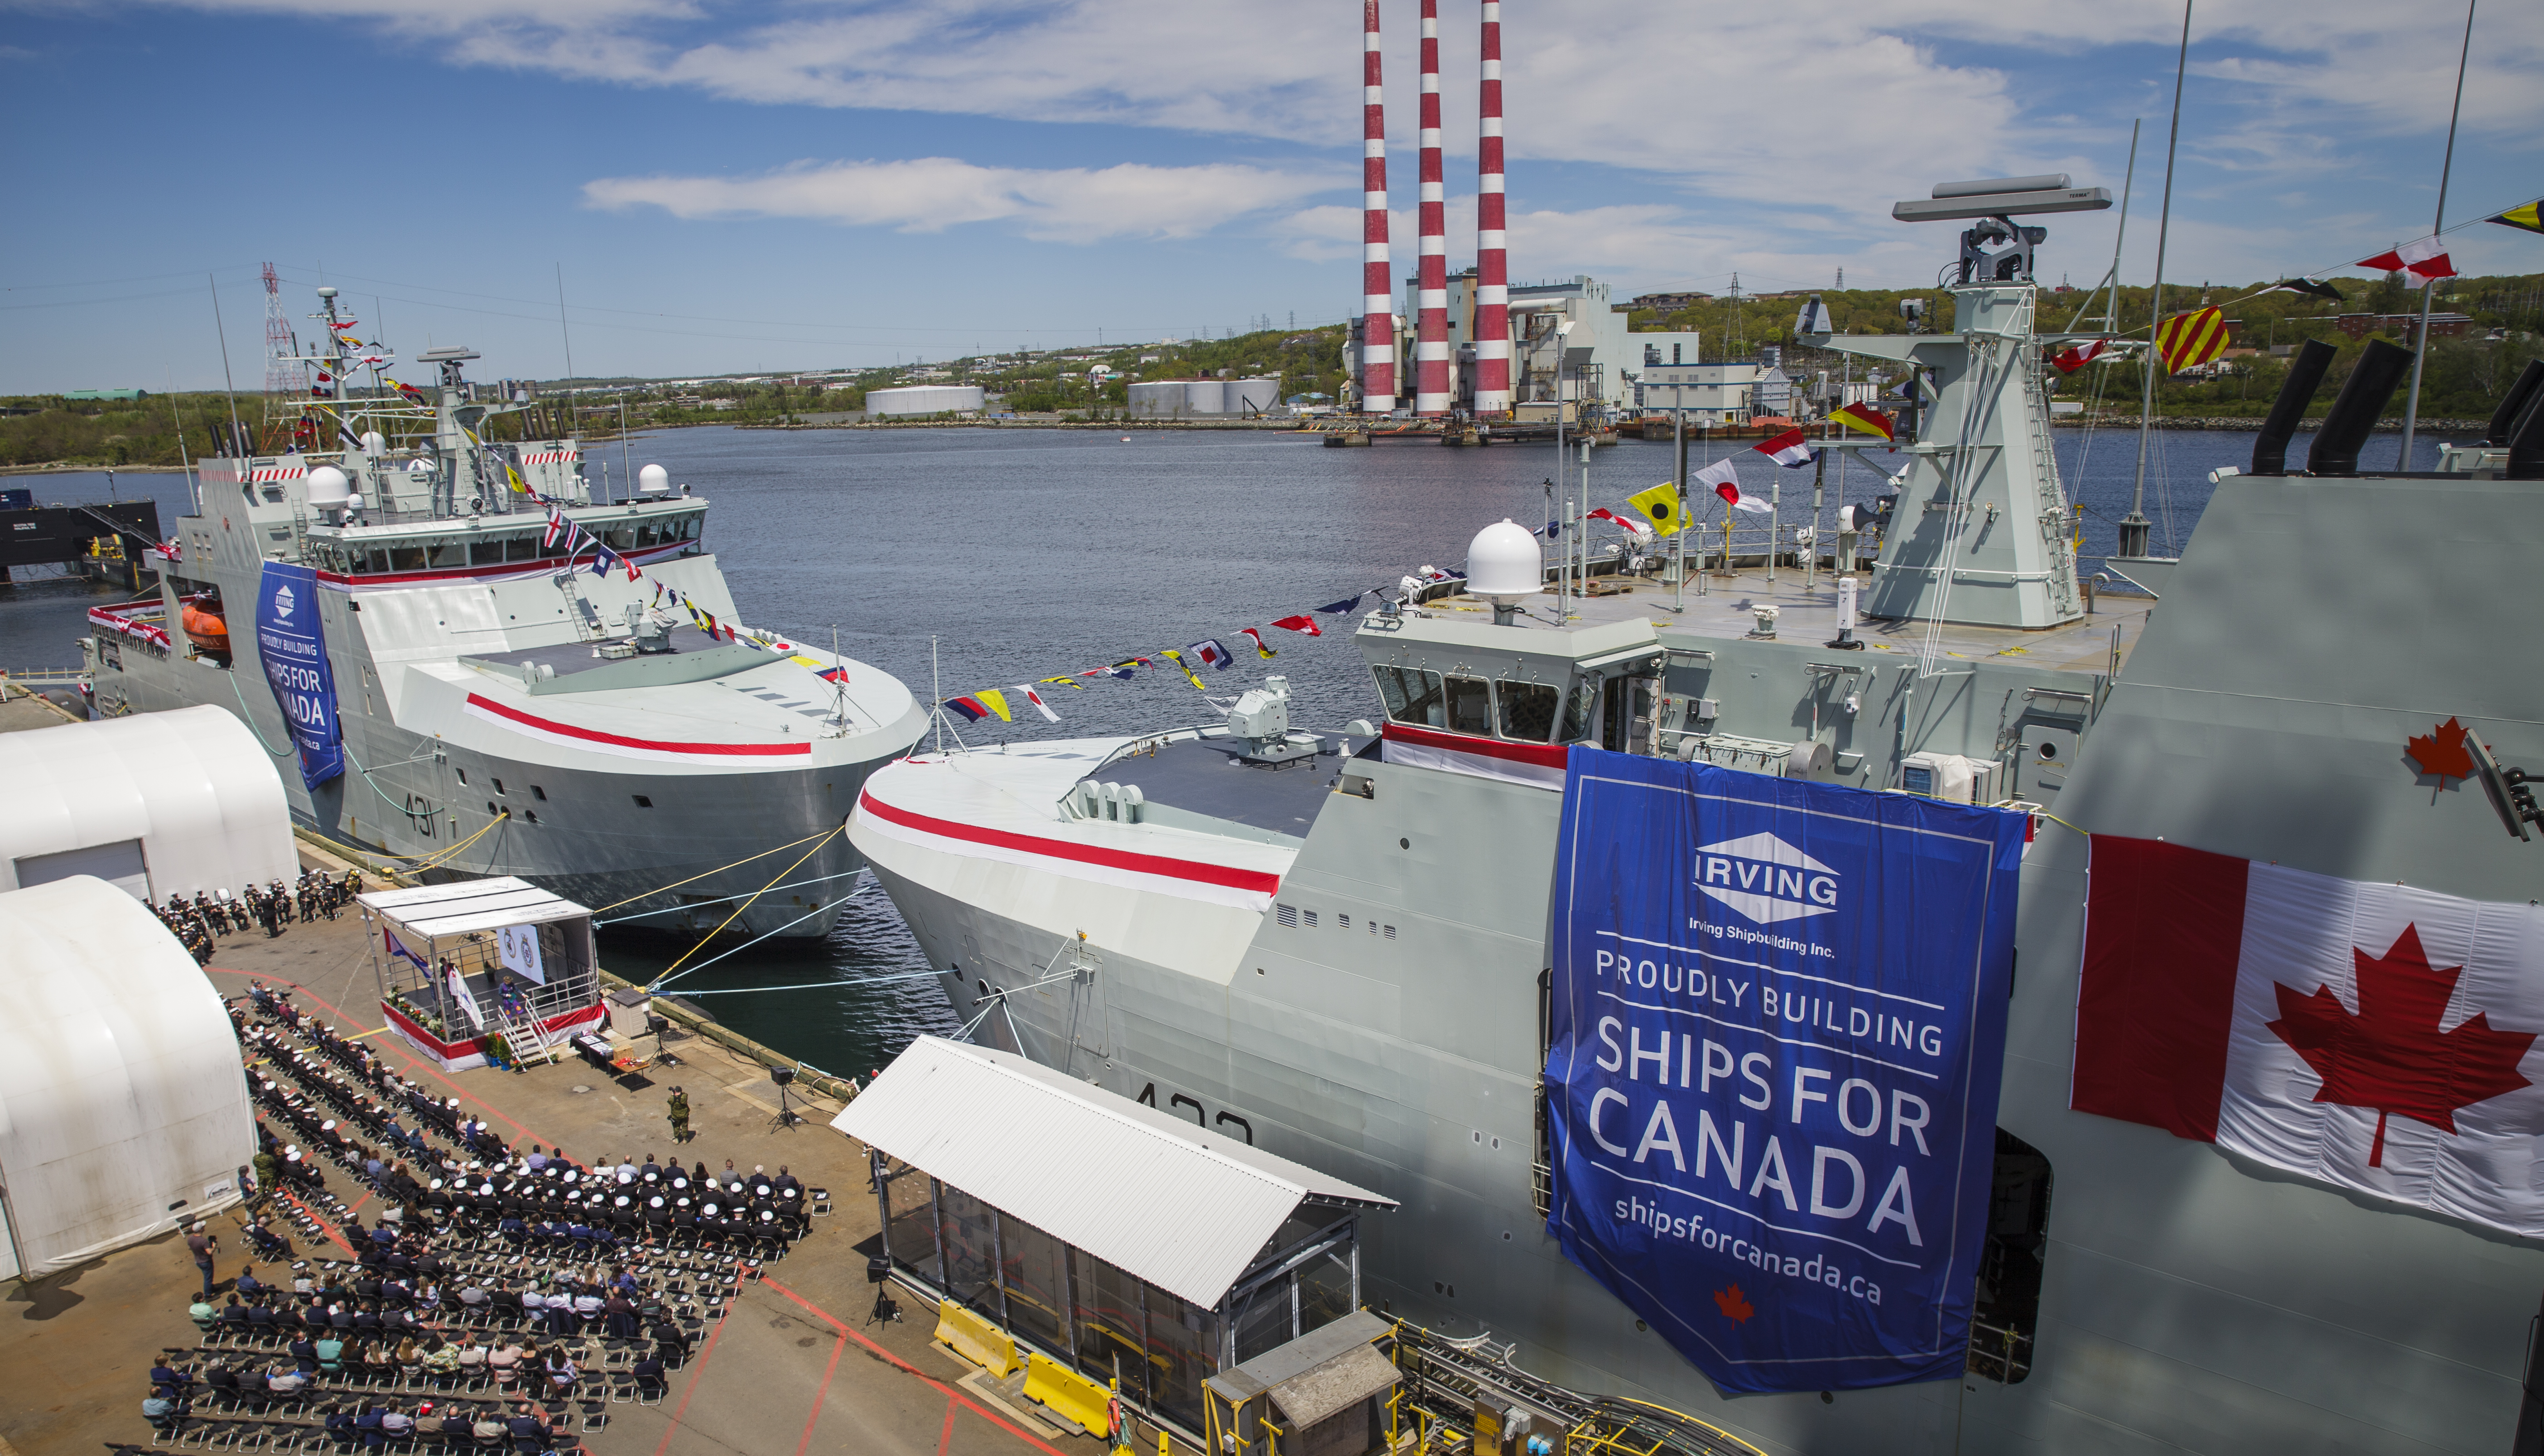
434 911
1154 1196
159 803
121 1106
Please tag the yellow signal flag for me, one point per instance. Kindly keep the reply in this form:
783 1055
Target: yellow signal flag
2526 219
2192 338
1661 506
1176 658
996 701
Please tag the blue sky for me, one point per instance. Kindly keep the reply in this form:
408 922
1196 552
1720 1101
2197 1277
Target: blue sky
828 182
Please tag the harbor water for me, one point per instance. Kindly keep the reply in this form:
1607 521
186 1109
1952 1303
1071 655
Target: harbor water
958 560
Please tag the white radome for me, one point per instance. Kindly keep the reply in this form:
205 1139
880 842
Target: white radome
1504 560
653 480
329 485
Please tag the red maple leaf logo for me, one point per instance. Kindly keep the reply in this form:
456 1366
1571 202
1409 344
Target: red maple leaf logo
2390 1056
1734 1305
2443 753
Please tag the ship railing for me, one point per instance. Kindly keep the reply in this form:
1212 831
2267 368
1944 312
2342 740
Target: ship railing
1999 1353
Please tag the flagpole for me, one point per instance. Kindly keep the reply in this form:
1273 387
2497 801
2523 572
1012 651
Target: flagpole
2430 290
2134 527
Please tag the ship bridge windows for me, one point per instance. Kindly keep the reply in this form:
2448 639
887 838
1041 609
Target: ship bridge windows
1527 709
407 558
1469 703
521 548
449 553
483 553
1411 695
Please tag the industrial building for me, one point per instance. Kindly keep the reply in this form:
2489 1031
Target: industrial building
1205 399
1725 392
925 399
1568 343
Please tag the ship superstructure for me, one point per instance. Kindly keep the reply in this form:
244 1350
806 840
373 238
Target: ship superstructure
1336 944
521 676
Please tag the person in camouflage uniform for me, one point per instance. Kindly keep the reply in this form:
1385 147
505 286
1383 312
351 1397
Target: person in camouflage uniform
679 1116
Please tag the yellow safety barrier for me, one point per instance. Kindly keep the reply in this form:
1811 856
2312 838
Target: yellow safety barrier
1070 1396
975 1340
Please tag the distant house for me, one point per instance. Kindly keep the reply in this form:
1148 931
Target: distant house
106 394
1668 303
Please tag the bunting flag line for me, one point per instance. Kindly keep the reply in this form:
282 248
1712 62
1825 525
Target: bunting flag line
1262 648
1724 478
996 701
2309 286
1209 652
1344 607
1661 506
2526 219
970 708
1303 624
1035 699
2188 340
1176 658
344 433
2424 261
1626 523
1791 449
412 394
1866 419
2068 360
323 387
558 526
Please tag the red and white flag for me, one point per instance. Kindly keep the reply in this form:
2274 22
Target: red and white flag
2374 1037
2425 261
1628 524
2076 356
1025 691
1307 625
1789 449
1724 478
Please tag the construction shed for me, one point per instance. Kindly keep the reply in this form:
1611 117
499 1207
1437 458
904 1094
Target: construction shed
122 1113
1080 1236
157 803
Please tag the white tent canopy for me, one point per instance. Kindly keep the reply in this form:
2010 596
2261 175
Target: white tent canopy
438 911
155 803
122 1110
1185 1209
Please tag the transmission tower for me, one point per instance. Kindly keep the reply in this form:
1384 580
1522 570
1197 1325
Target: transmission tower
283 378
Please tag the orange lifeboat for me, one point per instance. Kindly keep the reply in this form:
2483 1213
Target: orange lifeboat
207 630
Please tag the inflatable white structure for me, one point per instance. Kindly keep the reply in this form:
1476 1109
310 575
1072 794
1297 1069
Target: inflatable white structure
156 803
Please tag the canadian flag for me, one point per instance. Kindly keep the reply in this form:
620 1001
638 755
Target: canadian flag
2375 1036
2425 261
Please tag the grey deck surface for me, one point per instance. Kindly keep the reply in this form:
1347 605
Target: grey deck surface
1207 778
577 657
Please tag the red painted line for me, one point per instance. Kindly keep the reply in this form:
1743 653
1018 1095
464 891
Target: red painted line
694 1377
595 736
546 565
1111 859
328 1228
945 1441
823 1394
986 1414
1537 755
356 1205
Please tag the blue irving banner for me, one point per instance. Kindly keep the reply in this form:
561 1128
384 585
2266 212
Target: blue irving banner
293 647
1778 1031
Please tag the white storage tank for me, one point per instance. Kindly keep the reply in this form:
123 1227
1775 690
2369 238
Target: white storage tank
1255 396
1162 400
923 399
1205 396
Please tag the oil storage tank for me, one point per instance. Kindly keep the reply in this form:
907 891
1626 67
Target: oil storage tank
923 399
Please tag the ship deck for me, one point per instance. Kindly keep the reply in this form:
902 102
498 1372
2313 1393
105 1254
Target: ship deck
1718 605
1207 776
796 1363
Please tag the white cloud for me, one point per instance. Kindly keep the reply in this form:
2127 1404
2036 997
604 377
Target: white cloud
1074 205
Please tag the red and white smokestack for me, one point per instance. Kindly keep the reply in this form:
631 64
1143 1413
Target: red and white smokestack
1492 260
1431 282
1378 288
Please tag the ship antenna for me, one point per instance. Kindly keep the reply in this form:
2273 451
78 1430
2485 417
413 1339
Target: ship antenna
2430 289
229 385
2133 528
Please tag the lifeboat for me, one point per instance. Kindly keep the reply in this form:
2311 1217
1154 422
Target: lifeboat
208 629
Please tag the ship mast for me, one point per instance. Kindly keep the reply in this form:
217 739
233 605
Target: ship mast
2430 289
2133 526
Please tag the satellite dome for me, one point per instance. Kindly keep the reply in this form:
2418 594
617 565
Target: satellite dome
329 486
1504 560
653 480
374 443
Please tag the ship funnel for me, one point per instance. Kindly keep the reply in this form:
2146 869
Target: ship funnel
2355 413
2513 404
2305 376
1503 564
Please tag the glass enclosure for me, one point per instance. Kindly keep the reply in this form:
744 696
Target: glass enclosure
1102 1321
